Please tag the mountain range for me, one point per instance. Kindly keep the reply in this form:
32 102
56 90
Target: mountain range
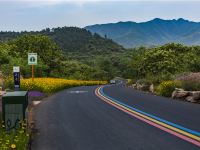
151 33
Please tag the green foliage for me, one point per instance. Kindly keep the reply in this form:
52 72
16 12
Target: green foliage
190 85
167 87
72 39
18 139
130 81
47 50
4 53
83 54
9 82
87 56
164 62
158 61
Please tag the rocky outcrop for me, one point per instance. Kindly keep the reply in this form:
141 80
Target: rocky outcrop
190 96
143 87
180 94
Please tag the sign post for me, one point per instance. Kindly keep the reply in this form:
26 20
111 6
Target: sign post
16 74
32 60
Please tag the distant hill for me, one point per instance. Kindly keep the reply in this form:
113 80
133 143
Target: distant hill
73 39
151 33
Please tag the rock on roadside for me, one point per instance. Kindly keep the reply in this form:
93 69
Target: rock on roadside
190 96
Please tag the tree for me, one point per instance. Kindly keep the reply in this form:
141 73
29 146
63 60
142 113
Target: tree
47 50
4 56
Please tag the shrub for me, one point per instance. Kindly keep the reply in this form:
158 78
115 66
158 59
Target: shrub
167 87
190 85
130 81
145 81
9 83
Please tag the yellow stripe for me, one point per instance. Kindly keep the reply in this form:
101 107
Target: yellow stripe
155 121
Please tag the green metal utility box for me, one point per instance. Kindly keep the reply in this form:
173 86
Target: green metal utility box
14 105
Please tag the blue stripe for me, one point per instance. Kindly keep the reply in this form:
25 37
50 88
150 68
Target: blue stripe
152 116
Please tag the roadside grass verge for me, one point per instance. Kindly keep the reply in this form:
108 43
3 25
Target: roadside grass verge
15 139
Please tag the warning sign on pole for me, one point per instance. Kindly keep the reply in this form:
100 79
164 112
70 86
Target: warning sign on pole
32 58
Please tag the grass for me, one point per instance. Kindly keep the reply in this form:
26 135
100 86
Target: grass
18 139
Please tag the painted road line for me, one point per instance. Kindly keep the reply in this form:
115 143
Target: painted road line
165 127
152 116
160 121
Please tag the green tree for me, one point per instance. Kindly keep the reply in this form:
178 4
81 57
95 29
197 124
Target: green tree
47 50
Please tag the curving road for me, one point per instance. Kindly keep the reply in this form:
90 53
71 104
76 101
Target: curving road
115 118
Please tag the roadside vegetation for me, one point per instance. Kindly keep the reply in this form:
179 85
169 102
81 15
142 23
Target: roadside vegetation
51 85
15 139
164 65
100 59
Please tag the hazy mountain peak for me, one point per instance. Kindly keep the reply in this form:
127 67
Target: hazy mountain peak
154 32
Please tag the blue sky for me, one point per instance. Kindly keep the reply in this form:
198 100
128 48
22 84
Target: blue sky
18 15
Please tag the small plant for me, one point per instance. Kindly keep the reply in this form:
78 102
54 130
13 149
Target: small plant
167 87
15 139
130 81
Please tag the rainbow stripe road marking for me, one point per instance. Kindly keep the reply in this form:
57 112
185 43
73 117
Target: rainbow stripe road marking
172 128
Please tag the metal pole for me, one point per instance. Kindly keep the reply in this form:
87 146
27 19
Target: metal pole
32 72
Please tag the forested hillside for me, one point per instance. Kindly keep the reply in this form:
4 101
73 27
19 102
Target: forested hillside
72 39
68 52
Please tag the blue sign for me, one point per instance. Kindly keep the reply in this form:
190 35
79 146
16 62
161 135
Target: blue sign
17 80
16 74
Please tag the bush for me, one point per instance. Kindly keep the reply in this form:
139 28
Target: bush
145 81
167 87
9 83
130 81
190 85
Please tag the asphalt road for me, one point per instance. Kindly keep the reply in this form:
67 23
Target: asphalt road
77 119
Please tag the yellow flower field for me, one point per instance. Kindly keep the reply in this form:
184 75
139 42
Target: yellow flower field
51 85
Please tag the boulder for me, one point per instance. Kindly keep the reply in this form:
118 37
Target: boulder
180 94
191 99
134 86
151 88
144 87
195 95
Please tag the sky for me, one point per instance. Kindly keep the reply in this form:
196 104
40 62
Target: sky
32 15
